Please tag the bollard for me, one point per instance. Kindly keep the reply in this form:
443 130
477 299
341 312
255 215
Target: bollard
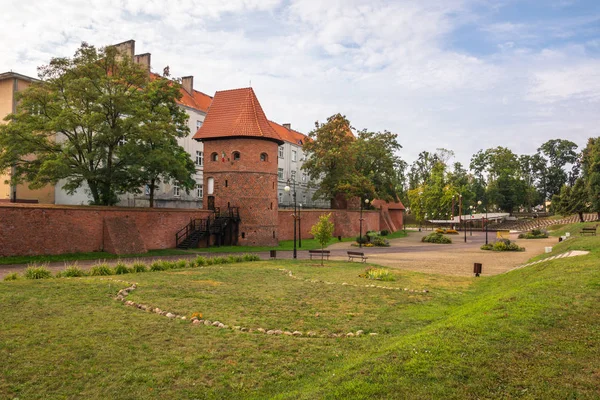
477 267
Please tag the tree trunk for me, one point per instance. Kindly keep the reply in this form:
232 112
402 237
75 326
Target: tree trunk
152 193
580 216
94 190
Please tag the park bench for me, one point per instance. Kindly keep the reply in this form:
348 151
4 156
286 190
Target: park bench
590 229
320 253
357 254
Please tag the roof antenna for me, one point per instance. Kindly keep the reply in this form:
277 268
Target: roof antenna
250 82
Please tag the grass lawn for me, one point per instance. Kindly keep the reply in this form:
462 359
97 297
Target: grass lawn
531 333
96 255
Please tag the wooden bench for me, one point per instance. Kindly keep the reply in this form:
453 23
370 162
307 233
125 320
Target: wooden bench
357 254
591 230
320 253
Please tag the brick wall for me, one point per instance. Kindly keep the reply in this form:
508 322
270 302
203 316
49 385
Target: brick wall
28 229
347 223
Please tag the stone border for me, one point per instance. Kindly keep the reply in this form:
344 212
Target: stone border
572 253
123 293
291 275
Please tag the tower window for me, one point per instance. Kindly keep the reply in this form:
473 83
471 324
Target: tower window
280 151
176 189
264 157
199 158
236 155
214 157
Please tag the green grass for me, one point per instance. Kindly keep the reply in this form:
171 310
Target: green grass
307 244
560 230
96 255
531 333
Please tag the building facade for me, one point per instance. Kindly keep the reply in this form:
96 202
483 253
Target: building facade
10 84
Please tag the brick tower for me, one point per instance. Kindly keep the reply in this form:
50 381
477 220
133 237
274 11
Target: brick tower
240 167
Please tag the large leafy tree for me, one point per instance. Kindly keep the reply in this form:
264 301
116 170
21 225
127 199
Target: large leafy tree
556 153
355 167
591 172
80 122
154 153
572 200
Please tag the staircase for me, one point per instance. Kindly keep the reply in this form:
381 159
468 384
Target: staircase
537 223
217 225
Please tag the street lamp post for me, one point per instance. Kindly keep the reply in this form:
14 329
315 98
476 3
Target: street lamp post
471 222
421 208
361 222
300 226
287 189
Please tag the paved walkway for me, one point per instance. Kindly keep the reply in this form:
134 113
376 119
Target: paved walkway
405 253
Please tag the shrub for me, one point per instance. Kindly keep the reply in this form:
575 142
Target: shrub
200 261
139 266
181 263
41 272
157 266
534 234
362 240
13 276
251 257
121 269
220 260
72 271
101 270
436 238
379 274
380 242
384 232
236 259
502 245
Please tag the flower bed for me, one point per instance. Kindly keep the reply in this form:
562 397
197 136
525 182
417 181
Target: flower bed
502 245
436 238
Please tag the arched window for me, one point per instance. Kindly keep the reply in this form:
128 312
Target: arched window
264 157
236 155
214 157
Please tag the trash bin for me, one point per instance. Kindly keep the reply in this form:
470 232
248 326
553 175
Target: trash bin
273 254
477 267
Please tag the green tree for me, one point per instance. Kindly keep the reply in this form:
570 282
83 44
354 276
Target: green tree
322 231
80 122
366 166
591 172
572 200
556 154
154 152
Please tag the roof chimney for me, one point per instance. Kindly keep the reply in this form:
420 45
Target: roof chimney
143 60
288 126
188 84
126 49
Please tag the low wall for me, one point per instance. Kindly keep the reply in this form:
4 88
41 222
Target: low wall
347 222
28 229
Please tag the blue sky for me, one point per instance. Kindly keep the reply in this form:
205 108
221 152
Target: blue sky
460 74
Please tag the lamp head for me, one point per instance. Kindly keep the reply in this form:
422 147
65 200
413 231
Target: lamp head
286 188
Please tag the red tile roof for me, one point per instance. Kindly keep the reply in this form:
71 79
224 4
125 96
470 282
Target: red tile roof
289 135
196 100
236 113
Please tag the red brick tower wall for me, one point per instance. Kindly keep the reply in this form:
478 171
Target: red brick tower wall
247 183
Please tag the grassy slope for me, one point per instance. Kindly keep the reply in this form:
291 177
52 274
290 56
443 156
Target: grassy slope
530 333
96 255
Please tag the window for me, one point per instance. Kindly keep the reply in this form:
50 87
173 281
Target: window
280 151
198 124
236 155
293 175
199 158
280 173
280 197
294 156
211 185
122 142
199 190
303 177
176 189
214 157
264 157
147 189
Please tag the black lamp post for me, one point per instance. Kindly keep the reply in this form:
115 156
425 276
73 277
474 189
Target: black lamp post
287 189
471 222
299 226
486 222
361 221
421 209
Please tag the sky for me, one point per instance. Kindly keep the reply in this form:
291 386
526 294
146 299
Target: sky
463 75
